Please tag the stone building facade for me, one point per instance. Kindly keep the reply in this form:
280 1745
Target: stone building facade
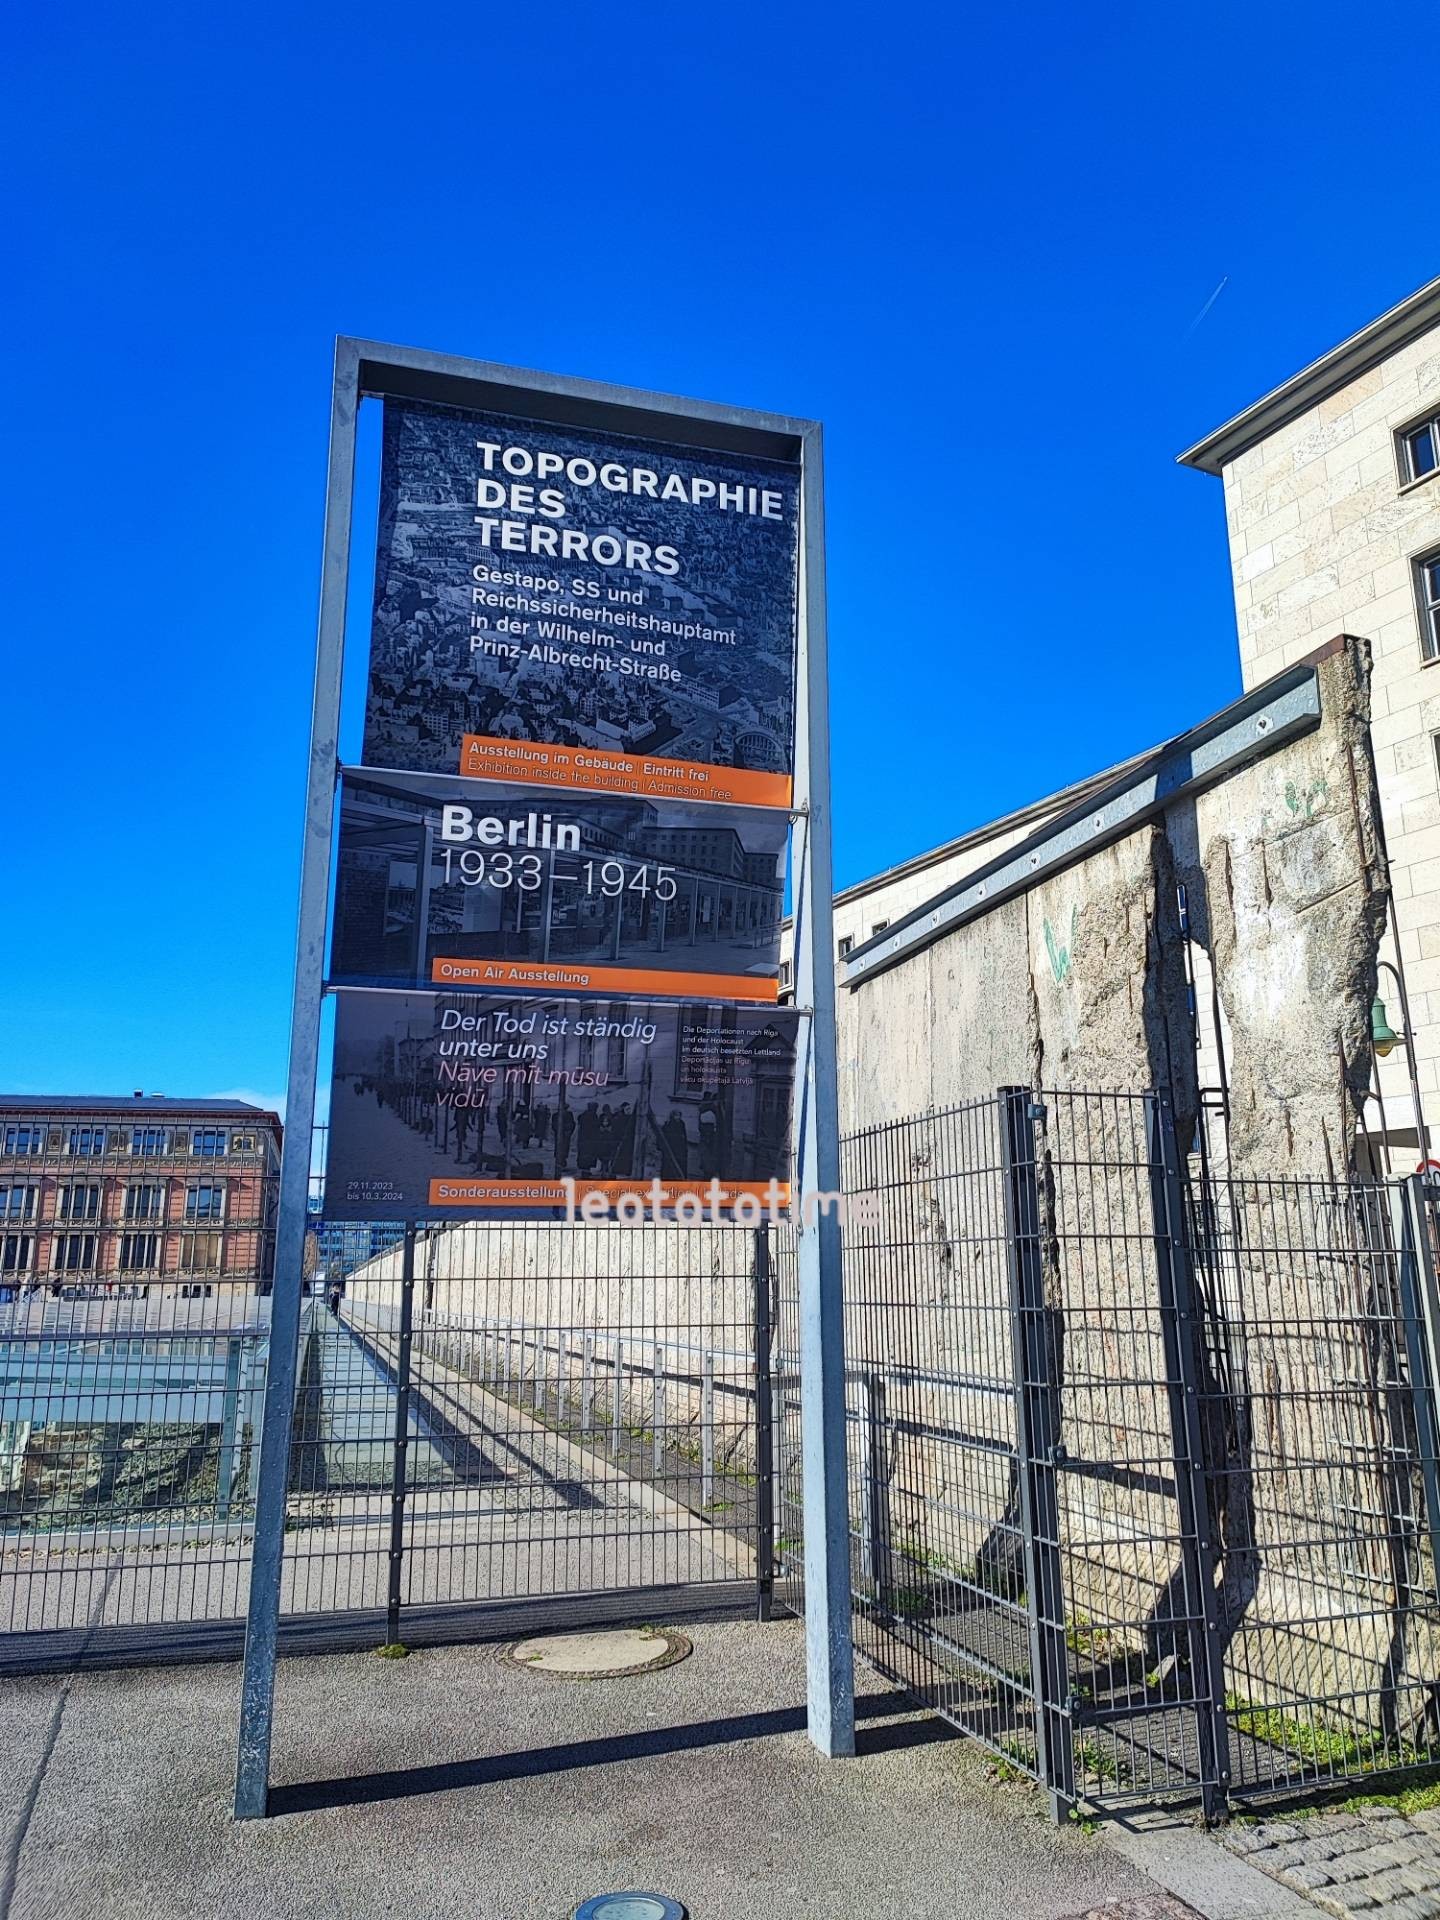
1332 507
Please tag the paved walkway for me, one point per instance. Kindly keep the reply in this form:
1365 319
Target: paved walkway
1372 1861
451 1786
500 1505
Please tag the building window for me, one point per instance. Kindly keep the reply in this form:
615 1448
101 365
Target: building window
879 927
208 1141
24 1140
149 1143
145 1200
78 1201
243 1143
72 1253
17 1252
139 1252
1418 450
1427 592
204 1203
847 941
87 1141
18 1203
200 1253
785 972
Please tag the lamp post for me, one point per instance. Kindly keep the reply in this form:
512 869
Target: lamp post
1385 1039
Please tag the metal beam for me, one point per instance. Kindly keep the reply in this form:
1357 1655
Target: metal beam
414 373
1283 709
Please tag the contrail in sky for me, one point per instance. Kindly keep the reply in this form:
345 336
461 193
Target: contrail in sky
1224 279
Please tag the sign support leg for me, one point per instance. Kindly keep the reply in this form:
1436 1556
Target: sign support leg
257 1686
829 1655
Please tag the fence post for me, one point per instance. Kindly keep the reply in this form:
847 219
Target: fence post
1420 1318
1182 1338
587 1385
402 1436
874 1490
707 1428
617 1395
1038 1450
764 1432
229 1463
657 1408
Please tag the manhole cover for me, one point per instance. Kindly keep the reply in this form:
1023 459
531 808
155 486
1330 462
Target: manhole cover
599 1656
630 1906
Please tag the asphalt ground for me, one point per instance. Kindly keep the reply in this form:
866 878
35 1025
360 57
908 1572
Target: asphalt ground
451 1784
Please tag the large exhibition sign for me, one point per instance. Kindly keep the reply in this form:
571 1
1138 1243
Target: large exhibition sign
445 881
564 606
595 700
459 1103
560 877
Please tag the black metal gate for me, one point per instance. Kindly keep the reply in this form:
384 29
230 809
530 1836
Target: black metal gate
517 1426
1144 1486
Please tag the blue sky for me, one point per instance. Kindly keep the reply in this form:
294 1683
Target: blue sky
974 243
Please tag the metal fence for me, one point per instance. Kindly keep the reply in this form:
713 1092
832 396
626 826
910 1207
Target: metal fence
494 1426
136 1265
1143 1461
533 1416
1144 1486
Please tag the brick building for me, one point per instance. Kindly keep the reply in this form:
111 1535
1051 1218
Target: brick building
1332 506
103 1195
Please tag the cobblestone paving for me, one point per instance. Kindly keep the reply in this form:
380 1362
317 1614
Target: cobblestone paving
1372 1861
1162 1907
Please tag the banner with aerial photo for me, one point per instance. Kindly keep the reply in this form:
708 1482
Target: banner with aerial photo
443 881
572 608
458 1104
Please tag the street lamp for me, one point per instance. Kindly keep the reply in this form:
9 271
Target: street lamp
1382 1034
1385 1039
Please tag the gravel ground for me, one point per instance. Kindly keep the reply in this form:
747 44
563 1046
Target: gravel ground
451 1784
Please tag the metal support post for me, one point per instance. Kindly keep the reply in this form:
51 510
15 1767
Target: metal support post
1420 1322
229 1462
1182 1339
829 1652
657 1409
875 1493
764 1432
707 1428
399 1478
257 1686
1038 1450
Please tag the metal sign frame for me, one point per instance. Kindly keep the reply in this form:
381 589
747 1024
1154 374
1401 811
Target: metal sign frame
366 369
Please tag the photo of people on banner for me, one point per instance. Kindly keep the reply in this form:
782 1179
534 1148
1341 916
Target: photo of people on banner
444 1104
582 608
452 882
